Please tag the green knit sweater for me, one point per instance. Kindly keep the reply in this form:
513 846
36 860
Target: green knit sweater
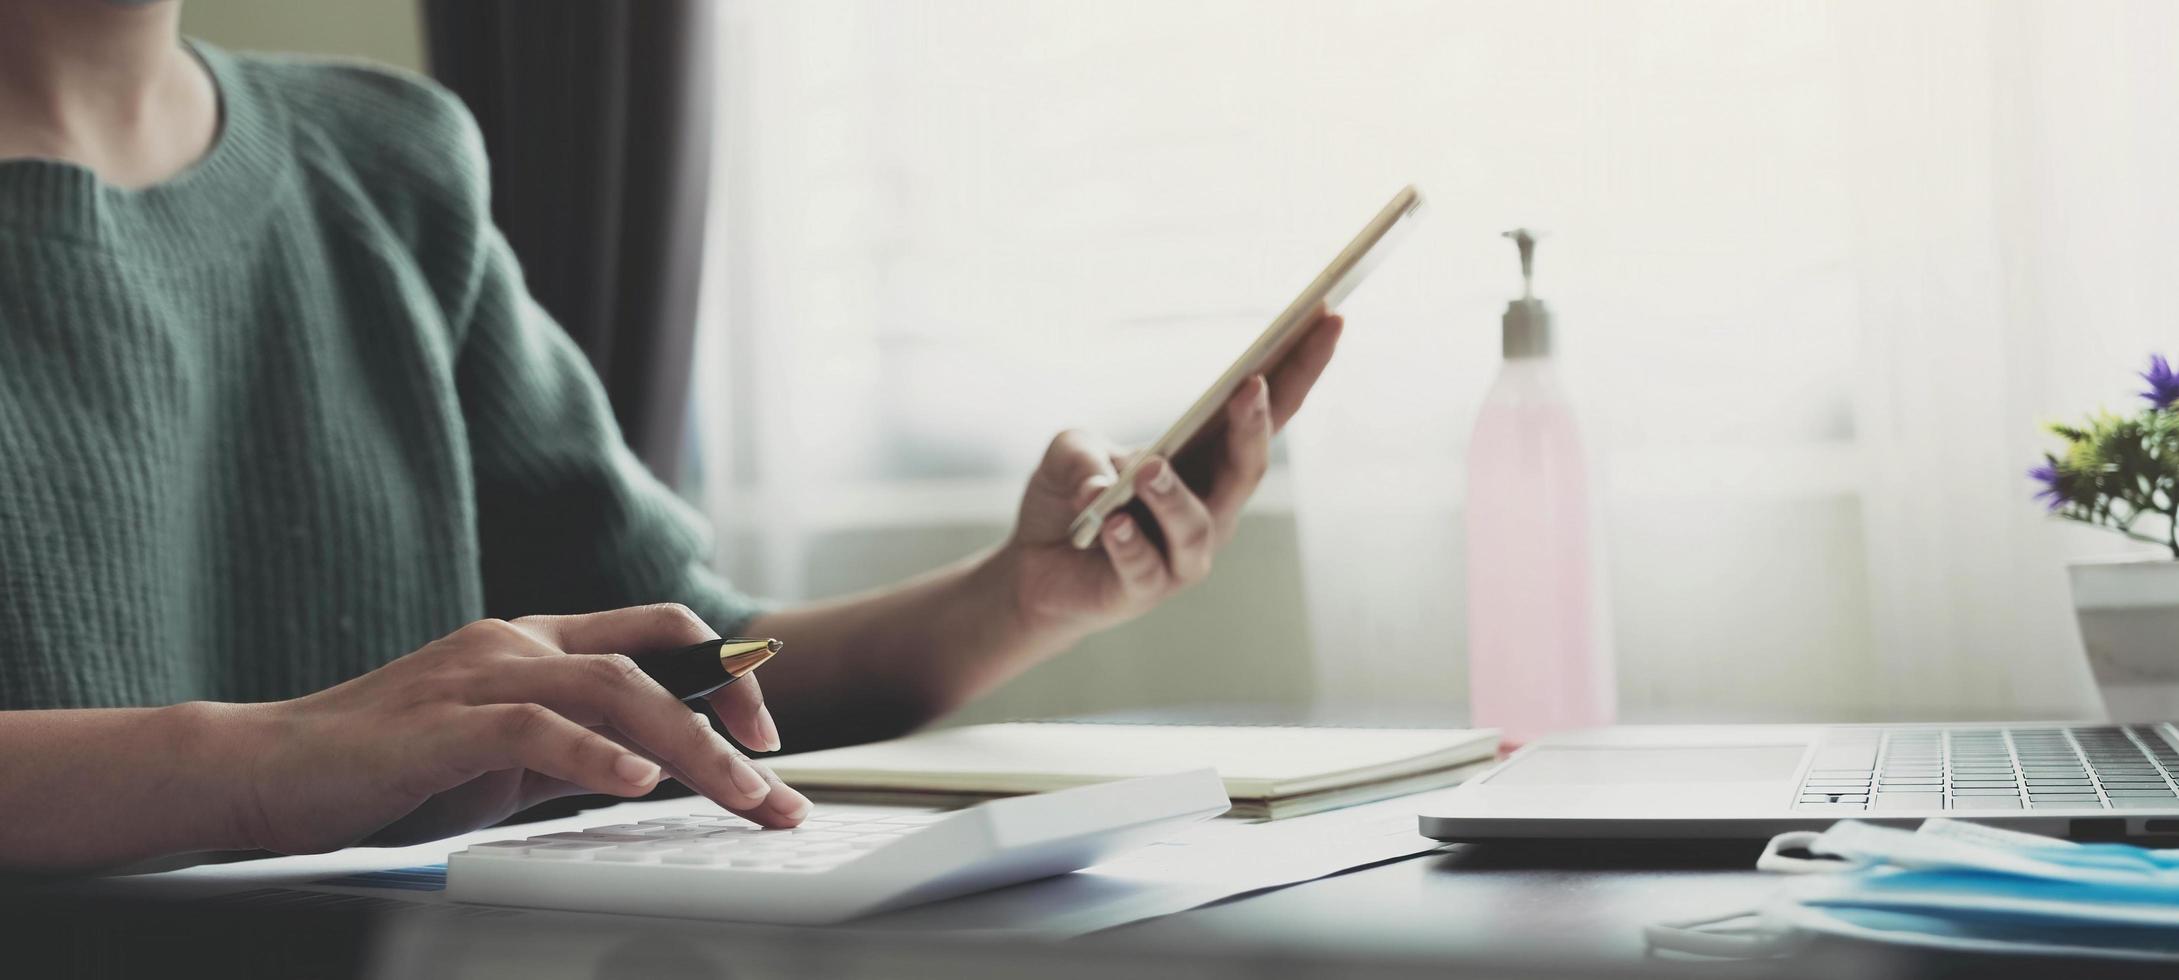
292 414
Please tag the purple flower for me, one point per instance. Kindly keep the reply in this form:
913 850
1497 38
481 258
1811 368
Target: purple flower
2163 382
2054 494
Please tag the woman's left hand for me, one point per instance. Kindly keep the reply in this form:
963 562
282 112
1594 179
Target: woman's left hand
1185 509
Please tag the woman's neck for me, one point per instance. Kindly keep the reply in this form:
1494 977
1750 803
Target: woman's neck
106 86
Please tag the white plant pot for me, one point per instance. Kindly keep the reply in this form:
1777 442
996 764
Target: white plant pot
2128 609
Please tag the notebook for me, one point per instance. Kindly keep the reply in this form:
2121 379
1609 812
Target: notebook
1268 771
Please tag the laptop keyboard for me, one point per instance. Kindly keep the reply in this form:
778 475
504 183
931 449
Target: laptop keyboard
2117 767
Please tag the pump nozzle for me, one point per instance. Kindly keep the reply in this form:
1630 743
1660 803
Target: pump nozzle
1525 240
1527 323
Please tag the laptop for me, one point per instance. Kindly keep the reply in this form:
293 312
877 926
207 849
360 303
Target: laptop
2086 781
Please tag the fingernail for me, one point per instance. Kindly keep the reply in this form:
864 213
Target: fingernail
1163 481
635 770
1123 530
767 729
747 780
789 803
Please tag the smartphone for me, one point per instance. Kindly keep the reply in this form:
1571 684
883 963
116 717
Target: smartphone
1323 294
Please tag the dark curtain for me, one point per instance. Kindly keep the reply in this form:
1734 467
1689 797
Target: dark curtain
597 115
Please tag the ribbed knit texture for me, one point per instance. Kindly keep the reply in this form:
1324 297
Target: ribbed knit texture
292 414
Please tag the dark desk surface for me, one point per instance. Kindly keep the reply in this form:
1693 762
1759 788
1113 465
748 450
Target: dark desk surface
1492 910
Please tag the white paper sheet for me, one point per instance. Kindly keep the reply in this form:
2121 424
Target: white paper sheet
1202 864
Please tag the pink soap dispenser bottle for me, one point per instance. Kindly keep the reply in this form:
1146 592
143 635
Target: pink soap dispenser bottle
1534 661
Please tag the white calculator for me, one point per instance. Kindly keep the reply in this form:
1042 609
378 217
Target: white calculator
831 868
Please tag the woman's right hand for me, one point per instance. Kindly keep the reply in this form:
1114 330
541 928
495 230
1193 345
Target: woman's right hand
493 718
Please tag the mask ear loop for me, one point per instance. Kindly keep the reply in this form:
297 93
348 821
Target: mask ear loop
1716 937
1775 859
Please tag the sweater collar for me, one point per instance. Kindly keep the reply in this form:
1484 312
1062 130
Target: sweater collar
220 197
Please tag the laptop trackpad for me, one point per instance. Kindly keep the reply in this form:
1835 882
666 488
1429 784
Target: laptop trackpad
1547 765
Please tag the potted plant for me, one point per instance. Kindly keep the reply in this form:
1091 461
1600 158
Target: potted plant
2121 473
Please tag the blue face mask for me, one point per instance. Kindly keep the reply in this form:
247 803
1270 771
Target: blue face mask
1956 886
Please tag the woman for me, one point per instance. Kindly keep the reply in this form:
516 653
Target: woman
281 433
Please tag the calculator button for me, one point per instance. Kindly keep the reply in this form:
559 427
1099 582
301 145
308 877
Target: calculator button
691 857
655 846
579 836
726 847
562 850
626 856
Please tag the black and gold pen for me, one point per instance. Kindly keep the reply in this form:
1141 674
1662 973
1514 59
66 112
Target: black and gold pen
699 669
